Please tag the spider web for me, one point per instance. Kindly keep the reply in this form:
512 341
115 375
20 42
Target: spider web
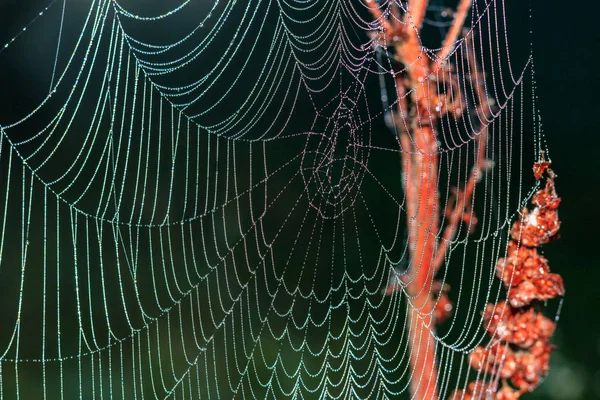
205 199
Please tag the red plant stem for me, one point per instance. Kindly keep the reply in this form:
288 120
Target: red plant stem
422 209
416 13
376 12
420 167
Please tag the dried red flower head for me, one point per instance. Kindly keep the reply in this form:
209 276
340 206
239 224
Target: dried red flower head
540 225
522 327
539 168
521 264
532 365
507 393
520 351
537 227
495 360
541 288
546 197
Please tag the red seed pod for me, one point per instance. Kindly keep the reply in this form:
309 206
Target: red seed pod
540 225
544 326
536 227
521 264
536 288
547 197
532 365
520 382
507 393
539 168
497 320
522 294
522 327
496 360
514 249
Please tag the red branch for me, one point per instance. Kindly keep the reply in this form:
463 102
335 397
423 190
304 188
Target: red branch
452 36
420 165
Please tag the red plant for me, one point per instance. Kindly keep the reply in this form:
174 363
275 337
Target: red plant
519 350
421 103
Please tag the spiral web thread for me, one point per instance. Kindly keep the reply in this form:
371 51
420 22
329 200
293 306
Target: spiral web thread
206 202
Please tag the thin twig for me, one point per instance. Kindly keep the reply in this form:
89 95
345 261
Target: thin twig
416 13
464 202
452 36
376 12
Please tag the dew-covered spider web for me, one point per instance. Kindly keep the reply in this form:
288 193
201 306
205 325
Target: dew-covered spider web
206 199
